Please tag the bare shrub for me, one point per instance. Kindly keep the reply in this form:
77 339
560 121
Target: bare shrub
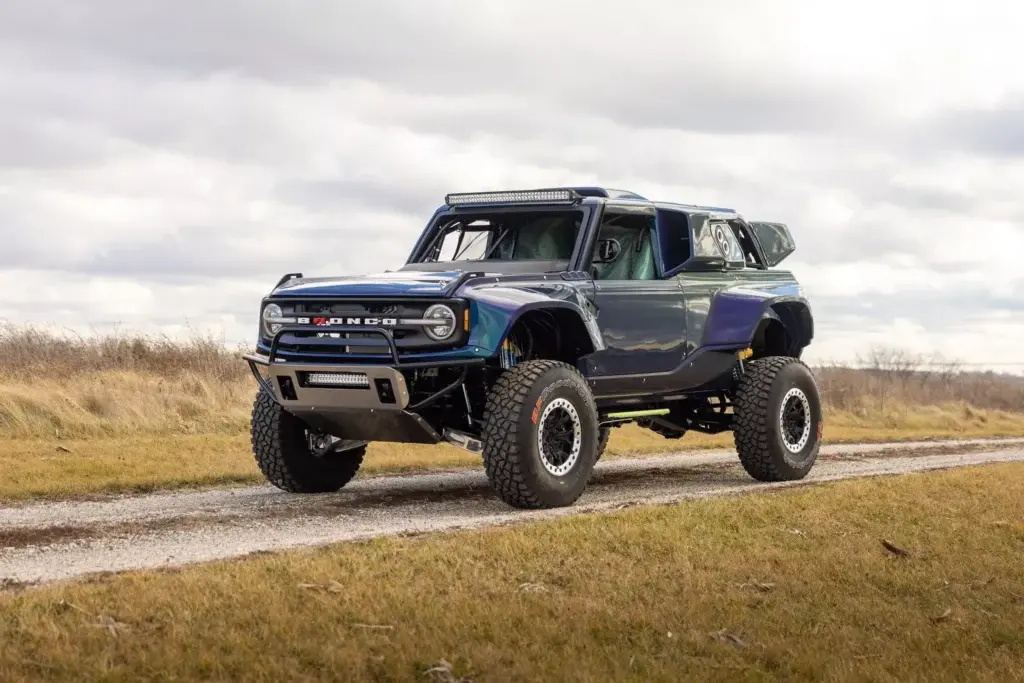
888 379
92 386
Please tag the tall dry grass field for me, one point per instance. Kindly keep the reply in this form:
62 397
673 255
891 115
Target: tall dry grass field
76 387
121 413
64 386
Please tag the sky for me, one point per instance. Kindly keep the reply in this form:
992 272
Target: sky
163 163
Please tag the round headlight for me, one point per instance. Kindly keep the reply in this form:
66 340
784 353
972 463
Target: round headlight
271 311
446 322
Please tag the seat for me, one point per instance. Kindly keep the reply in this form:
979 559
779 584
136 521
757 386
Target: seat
620 268
644 262
635 260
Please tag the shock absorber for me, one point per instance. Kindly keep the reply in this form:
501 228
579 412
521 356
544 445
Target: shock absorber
509 354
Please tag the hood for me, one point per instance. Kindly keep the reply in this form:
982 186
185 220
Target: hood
401 283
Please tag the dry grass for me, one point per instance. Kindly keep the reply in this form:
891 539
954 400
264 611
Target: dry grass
73 387
794 585
870 391
129 403
45 468
144 413
124 402
32 468
28 352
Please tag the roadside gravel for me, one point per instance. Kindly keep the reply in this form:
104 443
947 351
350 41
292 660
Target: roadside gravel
42 542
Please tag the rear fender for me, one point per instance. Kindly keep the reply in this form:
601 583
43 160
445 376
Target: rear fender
738 315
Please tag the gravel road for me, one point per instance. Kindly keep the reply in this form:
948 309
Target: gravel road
43 542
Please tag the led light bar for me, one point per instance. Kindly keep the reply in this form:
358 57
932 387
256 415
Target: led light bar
512 197
352 380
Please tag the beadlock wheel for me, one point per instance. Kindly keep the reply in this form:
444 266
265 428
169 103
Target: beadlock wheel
560 437
777 421
795 420
541 435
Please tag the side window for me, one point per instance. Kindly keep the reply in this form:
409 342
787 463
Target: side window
727 241
624 249
704 242
674 229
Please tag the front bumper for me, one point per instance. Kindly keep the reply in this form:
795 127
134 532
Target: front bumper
377 410
300 386
359 413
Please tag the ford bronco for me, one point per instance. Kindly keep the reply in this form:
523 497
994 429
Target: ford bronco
524 326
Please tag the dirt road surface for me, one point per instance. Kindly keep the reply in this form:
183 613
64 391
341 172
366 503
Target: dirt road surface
43 542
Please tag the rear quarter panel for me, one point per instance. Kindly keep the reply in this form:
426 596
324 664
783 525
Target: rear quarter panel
724 309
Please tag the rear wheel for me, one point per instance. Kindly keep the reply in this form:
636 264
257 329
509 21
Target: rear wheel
540 435
295 459
777 419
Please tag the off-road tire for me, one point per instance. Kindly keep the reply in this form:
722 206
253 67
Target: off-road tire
757 422
282 452
604 433
512 416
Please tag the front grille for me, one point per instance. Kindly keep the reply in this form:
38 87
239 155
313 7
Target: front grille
355 308
332 340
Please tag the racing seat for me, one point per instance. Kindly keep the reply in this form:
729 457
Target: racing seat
635 259
643 264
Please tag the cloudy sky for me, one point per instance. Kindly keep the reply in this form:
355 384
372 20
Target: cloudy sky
163 163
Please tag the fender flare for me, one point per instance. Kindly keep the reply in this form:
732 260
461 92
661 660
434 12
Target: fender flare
587 322
735 318
794 315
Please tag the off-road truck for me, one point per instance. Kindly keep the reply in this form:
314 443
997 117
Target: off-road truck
527 324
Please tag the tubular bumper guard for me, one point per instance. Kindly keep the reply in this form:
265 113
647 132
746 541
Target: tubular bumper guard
369 402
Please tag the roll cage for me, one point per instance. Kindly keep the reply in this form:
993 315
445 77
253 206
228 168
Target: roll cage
686 237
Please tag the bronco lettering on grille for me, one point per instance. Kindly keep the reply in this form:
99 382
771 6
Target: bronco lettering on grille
327 322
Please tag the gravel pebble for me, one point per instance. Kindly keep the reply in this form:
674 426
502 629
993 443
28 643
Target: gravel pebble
176 528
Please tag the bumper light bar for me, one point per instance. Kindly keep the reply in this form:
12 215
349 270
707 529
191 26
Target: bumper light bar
351 380
512 197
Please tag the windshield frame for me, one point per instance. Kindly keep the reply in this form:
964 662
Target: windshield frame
445 215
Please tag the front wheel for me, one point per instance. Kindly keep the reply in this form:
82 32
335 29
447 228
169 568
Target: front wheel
540 435
777 419
294 459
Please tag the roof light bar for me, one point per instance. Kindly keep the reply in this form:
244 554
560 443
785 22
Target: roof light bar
512 197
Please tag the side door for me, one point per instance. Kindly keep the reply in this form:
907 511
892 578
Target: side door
640 314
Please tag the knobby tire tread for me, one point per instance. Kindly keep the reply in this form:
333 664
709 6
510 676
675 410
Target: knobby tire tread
272 452
751 421
505 404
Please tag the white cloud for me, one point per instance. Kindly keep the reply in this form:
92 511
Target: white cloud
172 178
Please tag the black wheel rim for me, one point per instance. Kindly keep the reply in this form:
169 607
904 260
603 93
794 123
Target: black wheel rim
559 437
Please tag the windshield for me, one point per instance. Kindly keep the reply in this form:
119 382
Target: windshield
509 236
